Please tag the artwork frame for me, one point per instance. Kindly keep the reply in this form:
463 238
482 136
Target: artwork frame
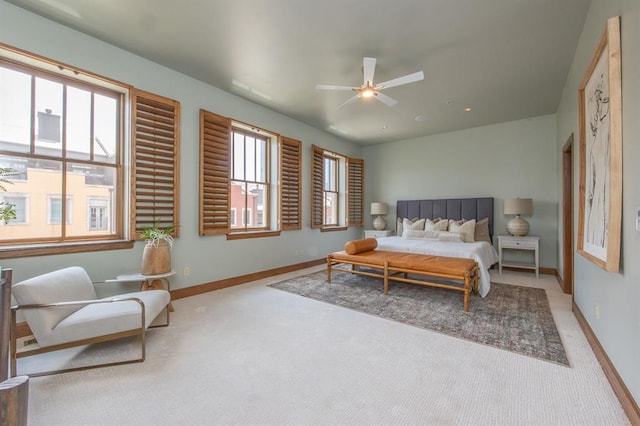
600 116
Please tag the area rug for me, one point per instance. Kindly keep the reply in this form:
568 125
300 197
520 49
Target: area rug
510 317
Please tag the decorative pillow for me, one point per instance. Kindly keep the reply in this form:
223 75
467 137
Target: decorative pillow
399 222
436 225
452 237
456 222
482 231
407 225
410 234
359 246
467 228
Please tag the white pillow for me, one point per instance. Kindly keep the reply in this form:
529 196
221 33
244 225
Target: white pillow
436 225
408 225
467 228
451 237
410 234
399 222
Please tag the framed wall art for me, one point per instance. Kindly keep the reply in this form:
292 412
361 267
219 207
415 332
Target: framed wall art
600 110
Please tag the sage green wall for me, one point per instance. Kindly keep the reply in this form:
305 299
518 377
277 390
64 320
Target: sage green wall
209 258
617 295
507 160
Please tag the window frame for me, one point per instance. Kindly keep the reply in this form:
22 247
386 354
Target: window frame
35 151
215 180
350 190
331 186
123 238
248 225
66 211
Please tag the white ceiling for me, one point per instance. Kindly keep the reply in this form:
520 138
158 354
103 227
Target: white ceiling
504 59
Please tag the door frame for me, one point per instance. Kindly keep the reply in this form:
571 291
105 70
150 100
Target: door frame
567 216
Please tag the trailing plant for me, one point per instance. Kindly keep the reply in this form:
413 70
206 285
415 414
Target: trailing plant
7 210
154 234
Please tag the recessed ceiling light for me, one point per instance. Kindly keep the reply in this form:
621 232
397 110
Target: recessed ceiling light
385 127
419 118
467 109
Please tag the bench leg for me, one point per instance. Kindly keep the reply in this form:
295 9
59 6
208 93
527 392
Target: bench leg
467 291
475 280
386 277
328 269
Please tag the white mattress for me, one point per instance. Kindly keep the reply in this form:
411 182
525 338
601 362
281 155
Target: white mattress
482 252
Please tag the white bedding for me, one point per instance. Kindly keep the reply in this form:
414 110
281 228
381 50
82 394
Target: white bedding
482 252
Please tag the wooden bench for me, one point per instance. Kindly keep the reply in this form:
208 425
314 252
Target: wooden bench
397 266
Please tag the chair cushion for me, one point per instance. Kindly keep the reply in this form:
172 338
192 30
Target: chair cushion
106 318
63 285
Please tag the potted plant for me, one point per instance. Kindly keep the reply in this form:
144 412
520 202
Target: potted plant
156 257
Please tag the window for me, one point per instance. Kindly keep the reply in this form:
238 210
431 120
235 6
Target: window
62 136
330 191
247 218
248 170
337 190
55 210
234 211
250 177
21 207
63 132
98 212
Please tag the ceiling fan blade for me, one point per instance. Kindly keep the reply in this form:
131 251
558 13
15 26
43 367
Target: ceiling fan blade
368 69
349 101
411 78
329 87
385 99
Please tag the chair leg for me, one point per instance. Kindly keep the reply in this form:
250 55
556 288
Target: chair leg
87 367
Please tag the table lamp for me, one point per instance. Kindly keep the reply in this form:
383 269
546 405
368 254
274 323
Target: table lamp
379 209
518 227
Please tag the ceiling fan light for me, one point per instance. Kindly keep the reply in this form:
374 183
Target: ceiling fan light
367 93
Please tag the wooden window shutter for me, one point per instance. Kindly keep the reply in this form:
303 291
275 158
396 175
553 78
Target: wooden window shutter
355 194
291 183
317 186
155 161
215 191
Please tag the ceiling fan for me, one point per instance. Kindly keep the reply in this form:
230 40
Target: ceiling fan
370 90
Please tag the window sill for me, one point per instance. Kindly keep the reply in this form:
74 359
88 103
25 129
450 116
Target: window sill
258 234
333 228
62 248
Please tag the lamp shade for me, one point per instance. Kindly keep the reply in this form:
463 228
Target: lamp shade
518 206
379 208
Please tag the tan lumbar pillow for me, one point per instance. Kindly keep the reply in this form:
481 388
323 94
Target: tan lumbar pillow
359 246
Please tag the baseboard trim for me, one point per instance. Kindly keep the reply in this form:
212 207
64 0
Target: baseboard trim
619 388
242 279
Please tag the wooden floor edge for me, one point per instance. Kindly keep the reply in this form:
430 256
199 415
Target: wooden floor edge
242 279
619 388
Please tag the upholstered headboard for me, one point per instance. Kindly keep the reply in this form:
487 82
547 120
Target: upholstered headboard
449 208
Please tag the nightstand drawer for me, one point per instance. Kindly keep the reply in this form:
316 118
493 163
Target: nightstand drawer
372 233
518 244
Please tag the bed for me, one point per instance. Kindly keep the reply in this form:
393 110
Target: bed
482 252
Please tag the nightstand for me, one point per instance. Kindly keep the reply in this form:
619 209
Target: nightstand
519 243
372 233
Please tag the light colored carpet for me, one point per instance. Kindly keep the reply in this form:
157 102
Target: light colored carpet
255 355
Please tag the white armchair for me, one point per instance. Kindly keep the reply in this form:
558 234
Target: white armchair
63 311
